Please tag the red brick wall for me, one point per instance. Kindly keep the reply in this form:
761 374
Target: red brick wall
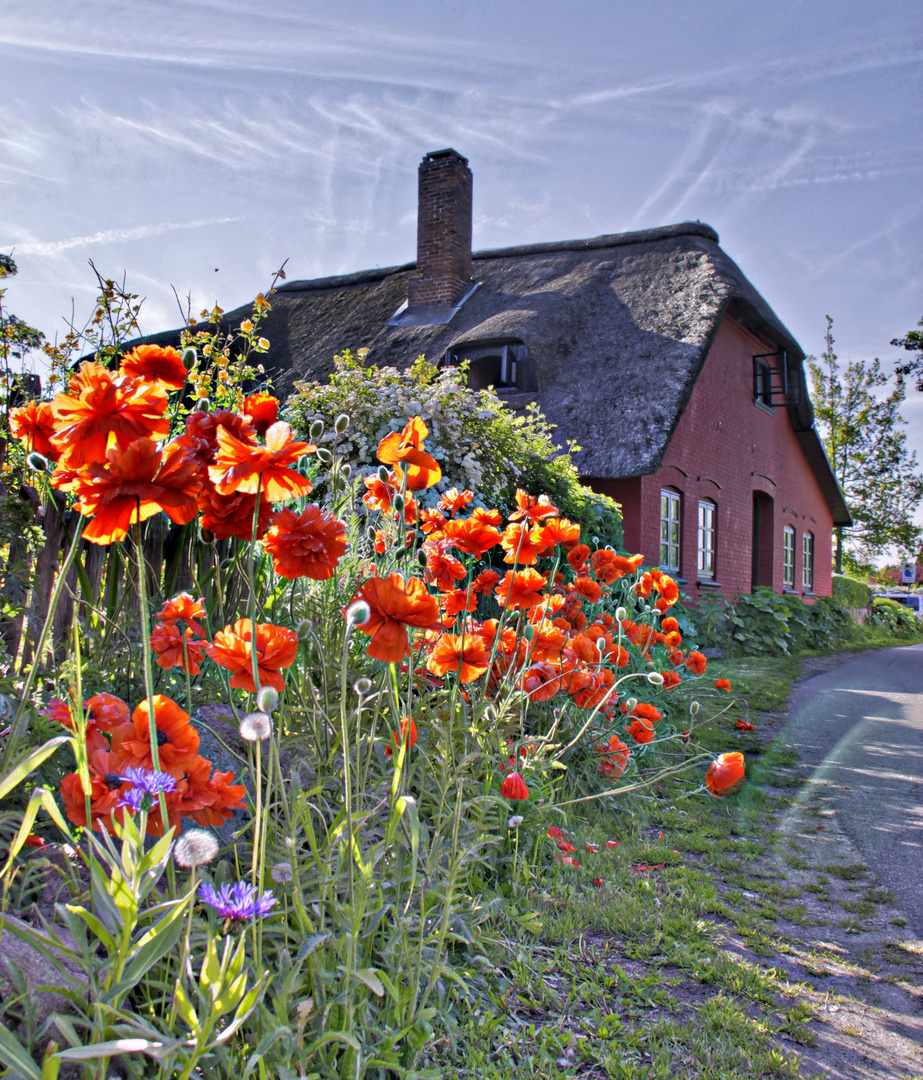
724 449
443 230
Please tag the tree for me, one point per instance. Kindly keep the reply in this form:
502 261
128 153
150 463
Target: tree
868 452
913 343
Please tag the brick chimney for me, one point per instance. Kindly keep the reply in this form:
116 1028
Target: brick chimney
443 231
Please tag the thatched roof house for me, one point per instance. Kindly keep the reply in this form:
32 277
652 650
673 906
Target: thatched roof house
612 338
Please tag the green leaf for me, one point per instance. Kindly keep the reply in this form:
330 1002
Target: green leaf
185 1010
369 976
30 763
15 1056
108 1049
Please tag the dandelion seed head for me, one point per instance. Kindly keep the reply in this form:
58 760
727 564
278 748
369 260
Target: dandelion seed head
281 873
255 727
195 847
516 820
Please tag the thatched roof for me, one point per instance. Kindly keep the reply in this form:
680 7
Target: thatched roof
617 328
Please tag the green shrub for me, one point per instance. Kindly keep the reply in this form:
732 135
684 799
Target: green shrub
765 623
851 593
481 444
894 617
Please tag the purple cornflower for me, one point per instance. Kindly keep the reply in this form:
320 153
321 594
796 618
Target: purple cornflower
238 902
145 783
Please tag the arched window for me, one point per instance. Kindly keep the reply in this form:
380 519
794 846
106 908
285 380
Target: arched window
788 557
807 564
670 529
707 537
504 365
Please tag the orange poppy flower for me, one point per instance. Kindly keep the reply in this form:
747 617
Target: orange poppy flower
484 582
231 516
394 605
613 758
432 522
139 481
225 799
669 593
605 566
106 787
309 544
670 679
105 711
276 648
577 557
442 570
514 788
560 531
471 536
185 608
201 435
102 410
458 600
669 625
541 681
696 663
177 739
465 653
531 509
628 564
35 423
407 734
520 589
262 410
490 632
723 684
589 689
588 588
522 544
155 364
454 501
404 450
641 730
249 468
380 494
167 644
486 516
548 642
725 774
644 711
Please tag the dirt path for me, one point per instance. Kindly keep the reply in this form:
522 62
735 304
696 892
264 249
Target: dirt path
854 948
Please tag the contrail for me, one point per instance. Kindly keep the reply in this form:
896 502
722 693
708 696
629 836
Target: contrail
140 232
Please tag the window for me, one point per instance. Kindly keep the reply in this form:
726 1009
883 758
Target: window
669 530
807 564
708 519
504 365
788 557
762 383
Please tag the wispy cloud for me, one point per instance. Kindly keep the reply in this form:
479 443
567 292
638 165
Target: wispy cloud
112 236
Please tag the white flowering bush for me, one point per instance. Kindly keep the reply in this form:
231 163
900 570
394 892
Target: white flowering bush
481 444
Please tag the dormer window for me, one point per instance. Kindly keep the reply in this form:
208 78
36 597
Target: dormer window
504 365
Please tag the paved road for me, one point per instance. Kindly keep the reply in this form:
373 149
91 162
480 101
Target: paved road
861 726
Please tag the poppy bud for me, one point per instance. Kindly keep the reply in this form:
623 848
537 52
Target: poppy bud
324 456
316 430
267 699
371 532
421 557
362 686
620 614
358 613
341 423
347 470
601 646
514 787
684 737
189 358
382 474
398 502
529 633
694 707
203 405
631 704
655 678
37 462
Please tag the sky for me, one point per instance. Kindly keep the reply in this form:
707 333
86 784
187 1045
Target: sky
196 146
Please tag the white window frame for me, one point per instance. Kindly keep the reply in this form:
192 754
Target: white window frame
788 557
807 562
707 538
670 530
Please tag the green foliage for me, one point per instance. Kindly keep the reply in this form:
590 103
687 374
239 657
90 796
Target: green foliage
851 593
868 451
894 617
765 623
913 343
480 443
